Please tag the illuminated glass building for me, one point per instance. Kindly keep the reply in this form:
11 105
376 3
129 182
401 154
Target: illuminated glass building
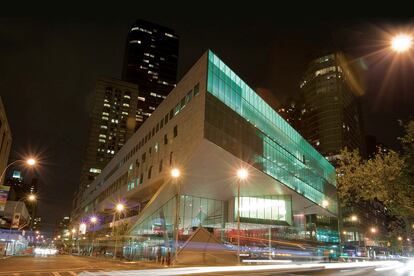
151 58
209 126
331 87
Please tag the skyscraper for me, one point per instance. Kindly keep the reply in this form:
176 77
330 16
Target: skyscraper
151 55
112 122
330 88
5 139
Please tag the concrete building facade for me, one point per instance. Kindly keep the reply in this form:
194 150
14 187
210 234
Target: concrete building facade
211 125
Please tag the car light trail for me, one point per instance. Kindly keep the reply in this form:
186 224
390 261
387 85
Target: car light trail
217 269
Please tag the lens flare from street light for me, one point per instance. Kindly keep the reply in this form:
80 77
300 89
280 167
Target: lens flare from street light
31 162
325 203
120 207
31 197
175 173
401 43
94 219
242 174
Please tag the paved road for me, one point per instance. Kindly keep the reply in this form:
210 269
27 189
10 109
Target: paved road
67 265
61 265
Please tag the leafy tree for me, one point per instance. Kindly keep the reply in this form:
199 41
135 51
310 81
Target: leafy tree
387 177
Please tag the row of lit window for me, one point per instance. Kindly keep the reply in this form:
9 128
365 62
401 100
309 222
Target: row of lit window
173 112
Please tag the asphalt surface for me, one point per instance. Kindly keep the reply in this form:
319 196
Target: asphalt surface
61 265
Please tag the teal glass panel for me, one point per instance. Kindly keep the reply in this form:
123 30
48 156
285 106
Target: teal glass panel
287 156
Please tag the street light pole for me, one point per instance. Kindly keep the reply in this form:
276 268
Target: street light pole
30 162
238 221
119 208
241 175
93 221
175 173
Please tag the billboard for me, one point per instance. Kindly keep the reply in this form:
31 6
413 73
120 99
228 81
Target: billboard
4 192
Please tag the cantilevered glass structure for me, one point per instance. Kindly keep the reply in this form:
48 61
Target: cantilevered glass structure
283 154
211 124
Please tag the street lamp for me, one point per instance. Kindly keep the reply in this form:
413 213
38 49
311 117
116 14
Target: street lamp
373 230
242 175
30 161
175 174
118 209
401 43
354 218
93 221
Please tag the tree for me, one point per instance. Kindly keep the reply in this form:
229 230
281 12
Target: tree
387 177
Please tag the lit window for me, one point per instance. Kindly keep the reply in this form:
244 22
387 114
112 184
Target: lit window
105 113
93 170
104 118
102 135
135 42
102 140
125 104
107 105
127 96
104 127
141 99
169 35
124 113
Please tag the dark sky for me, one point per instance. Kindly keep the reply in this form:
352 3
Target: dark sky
48 69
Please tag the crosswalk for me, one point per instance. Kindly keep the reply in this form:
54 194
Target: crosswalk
58 273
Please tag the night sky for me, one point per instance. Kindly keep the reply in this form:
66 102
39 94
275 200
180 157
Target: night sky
48 69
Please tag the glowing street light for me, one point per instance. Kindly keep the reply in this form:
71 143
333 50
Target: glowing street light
325 203
354 218
94 220
175 173
401 43
31 197
373 230
73 231
400 238
31 162
120 207
242 174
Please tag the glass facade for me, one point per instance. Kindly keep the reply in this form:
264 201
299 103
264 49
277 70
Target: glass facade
285 154
275 209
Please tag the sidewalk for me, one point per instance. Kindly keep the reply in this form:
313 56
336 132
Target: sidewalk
148 264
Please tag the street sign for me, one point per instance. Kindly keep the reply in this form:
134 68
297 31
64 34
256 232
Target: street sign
4 192
16 220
